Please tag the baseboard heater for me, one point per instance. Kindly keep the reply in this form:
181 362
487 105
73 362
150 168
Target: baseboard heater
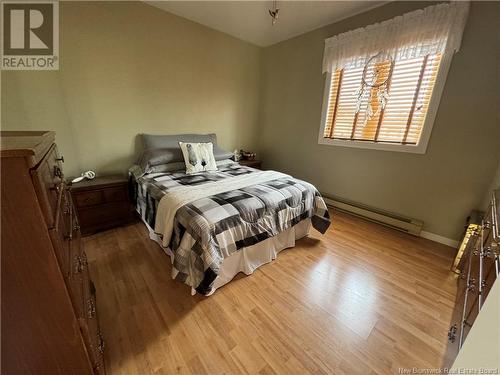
398 222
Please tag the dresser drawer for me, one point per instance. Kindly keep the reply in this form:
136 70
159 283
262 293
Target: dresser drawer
94 342
47 176
472 311
471 303
74 248
487 226
90 328
455 330
75 288
62 249
60 234
487 282
78 260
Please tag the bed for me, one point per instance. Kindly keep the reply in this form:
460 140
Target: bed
215 224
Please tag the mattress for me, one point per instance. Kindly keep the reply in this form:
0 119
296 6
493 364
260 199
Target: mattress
212 227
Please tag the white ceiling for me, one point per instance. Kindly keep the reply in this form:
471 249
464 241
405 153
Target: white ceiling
250 20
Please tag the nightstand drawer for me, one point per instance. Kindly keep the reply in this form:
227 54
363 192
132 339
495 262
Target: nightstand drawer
251 163
104 216
118 194
89 198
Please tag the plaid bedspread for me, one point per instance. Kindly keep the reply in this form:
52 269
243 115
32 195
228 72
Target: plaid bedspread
210 229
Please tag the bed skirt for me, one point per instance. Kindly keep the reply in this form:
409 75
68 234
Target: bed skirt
248 259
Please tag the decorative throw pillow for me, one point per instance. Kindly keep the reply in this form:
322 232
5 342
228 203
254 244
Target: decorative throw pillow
198 157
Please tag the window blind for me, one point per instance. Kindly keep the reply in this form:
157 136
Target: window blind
410 84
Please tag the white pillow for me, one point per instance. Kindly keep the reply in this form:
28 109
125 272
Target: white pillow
198 157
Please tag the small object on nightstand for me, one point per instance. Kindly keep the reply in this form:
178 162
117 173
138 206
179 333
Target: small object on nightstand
248 155
89 175
102 203
251 163
236 155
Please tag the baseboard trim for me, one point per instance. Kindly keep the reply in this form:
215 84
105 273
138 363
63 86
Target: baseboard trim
386 218
437 238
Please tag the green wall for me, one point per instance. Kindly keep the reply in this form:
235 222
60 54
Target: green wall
439 187
129 68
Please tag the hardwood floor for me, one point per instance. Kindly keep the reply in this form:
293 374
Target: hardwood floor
361 299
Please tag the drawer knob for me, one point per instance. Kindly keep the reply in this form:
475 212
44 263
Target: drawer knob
471 287
486 253
91 308
102 345
56 188
61 159
452 333
57 171
79 264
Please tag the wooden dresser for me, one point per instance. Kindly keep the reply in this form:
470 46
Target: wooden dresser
479 269
49 318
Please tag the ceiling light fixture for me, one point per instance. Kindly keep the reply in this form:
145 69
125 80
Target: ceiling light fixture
274 12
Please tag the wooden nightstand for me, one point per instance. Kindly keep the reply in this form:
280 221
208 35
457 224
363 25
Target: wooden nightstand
251 163
102 203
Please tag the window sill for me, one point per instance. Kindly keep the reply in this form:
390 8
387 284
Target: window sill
414 149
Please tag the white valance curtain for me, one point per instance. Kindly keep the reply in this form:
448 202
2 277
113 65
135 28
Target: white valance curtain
435 29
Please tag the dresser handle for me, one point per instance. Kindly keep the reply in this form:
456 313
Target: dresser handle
83 258
486 224
102 344
57 171
80 263
70 234
61 159
486 253
471 287
56 188
91 308
494 247
77 268
67 206
452 333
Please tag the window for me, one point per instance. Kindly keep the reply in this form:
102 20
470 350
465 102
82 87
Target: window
410 84
384 81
